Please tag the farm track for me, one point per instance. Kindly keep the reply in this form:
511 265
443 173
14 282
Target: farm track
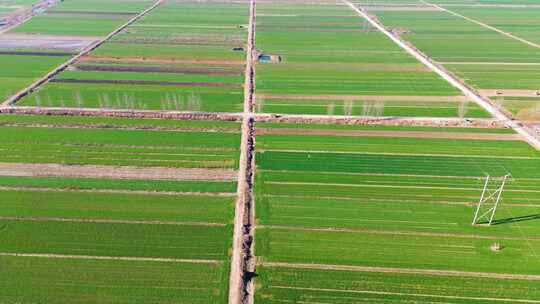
509 92
108 258
393 134
408 295
40 82
454 81
482 24
241 287
117 172
107 221
434 272
259 117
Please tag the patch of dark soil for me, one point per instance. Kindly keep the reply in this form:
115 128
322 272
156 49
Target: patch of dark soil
146 69
149 82
88 13
173 42
23 53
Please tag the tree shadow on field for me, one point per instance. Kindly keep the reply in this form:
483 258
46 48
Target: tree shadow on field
516 219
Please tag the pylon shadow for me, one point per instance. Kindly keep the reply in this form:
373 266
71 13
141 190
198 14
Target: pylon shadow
516 219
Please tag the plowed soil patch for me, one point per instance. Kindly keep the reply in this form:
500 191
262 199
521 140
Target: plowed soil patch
155 60
117 172
147 69
149 82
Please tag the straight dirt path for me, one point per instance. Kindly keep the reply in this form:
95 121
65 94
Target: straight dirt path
469 92
260 117
45 79
242 256
482 24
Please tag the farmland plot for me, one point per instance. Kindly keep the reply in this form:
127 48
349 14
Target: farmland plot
330 61
142 203
391 216
33 49
183 56
497 65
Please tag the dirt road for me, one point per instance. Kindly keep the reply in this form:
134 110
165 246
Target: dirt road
242 258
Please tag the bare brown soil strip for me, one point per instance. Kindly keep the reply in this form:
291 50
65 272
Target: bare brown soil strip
121 113
183 41
45 42
408 295
435 272
29 53
117 172
107 258
364 97
117 191
149 82
107 221
167 70
156 60
509 92
260 117
409 233
396 134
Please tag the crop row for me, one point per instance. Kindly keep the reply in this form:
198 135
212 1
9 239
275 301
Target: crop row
280 285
